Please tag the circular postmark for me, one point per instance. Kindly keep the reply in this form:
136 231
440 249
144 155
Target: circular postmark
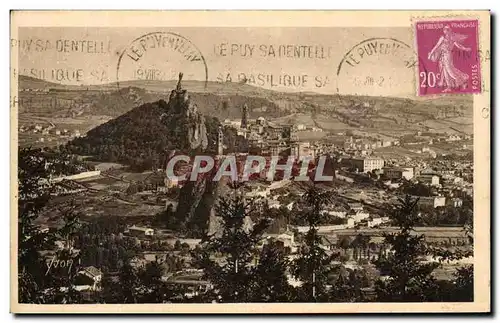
153 58
378 67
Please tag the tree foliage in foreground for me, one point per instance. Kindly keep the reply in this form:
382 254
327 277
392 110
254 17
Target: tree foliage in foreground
228 258
409 278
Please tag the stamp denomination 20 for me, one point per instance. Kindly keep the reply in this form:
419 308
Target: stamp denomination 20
448 57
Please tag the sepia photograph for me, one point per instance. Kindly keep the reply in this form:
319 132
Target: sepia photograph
236 162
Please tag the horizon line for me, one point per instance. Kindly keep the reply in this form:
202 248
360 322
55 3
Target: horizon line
257 88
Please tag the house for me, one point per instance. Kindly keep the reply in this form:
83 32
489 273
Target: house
359 216
455 202
192 243
284 239
328 241
141 231
322 228
154 181
453 138
431 201
357 207
398 172
338 214
137 262
171 182
366 164
261 121
89 276
273 204
377 221
430 179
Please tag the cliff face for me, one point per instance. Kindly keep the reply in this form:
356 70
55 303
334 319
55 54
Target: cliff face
196 203
189 123
196 198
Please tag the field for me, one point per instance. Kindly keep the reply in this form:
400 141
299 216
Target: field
82 124
396 152
105 196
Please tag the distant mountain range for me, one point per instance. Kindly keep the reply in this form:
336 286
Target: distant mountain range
225 100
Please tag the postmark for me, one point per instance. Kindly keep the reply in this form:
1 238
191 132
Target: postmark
160 56
449 61
376 66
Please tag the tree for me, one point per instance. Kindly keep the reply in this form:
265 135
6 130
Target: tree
271 283
232 276
177 245
344 243
313 265
128 285
348 284
110 289
464 284
152 288
60 281
35 168
409 279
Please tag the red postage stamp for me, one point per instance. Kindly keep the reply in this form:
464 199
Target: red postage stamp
448 60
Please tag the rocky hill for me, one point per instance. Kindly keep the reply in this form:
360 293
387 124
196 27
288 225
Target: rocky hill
143 137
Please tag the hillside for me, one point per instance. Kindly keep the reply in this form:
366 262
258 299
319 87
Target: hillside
142 138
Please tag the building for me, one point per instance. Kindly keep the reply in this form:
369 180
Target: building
306 149
220 142
285 239
431 201
366 164
274 131
82 175
359 216
398 172
376 221
244 117
455 202
356 207
171 182
141 231
338 214
89 276
429 179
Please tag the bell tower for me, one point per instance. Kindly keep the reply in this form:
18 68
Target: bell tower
244 117
220 142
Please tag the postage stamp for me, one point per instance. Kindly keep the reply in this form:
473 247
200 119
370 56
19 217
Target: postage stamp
448 57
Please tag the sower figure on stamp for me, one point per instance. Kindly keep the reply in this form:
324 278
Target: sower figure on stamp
451 77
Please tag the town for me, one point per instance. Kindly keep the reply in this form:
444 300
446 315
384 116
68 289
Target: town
142 217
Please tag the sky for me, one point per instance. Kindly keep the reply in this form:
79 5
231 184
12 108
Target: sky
375 61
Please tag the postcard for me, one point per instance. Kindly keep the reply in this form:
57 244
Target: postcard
250 161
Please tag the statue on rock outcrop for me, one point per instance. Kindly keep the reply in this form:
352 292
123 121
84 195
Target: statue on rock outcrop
188 122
